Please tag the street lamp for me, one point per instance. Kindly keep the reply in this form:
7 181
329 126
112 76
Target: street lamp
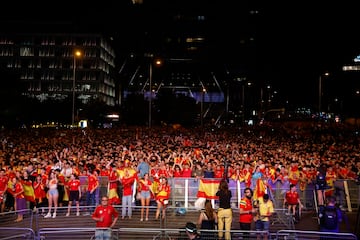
150 92
320 89
77 53
157 63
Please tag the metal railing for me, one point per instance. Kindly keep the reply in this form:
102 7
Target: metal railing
184 192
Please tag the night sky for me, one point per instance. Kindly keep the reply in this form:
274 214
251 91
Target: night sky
296 41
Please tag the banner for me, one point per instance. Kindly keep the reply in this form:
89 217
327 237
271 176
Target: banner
208 188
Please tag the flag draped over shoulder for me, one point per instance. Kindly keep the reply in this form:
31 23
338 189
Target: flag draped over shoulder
259 189
208 188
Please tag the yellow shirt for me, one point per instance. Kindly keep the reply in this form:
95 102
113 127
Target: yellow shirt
265 209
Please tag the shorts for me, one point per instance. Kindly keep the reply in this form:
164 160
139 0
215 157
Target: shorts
53 192
262 225
74 195
145 194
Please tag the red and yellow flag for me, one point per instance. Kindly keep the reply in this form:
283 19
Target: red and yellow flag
29 193
208 188
259 189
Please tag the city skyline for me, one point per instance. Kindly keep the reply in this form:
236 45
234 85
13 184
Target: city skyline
295 43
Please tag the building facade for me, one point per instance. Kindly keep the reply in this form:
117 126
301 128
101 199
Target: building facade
47 68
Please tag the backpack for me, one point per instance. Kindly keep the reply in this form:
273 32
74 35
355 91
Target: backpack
329 218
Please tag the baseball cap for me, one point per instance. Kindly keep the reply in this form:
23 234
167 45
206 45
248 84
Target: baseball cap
190 227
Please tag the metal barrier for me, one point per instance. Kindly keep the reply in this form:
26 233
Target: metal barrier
162 234
16 233
184 192
71 233
298 235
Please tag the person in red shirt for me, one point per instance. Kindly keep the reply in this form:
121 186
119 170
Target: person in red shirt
113 186
246 210
186 171
74 188
292 199
3 187
144 188
17 190
162 197
93 185
105 216
219 171
39 191
127 182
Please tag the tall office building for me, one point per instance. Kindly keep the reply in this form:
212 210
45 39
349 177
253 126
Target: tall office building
46 68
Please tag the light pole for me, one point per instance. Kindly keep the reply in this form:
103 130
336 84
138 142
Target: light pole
158 62
77 53
150 92
320 89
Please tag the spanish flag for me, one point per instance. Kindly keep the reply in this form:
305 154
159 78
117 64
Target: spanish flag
259 189
29 193
121 172
208 188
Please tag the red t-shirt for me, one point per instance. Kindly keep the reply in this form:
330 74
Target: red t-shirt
107 212
92 182
292 197
246 205
74 185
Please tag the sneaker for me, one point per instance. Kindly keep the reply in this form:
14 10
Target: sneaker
77 214
48 215
141 219
67 214
146 219
54 215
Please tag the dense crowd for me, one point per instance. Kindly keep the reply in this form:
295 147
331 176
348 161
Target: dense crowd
284 152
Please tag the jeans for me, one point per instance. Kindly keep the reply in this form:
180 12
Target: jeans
91 199
126 204
102 234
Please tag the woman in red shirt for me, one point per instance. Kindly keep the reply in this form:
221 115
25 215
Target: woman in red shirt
74 188
17 190
145 195
39 191
162 197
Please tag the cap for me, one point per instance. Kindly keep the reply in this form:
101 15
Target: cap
190 227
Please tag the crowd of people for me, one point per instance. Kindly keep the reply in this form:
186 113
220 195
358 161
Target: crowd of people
42 167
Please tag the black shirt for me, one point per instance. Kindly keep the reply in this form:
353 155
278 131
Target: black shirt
224 199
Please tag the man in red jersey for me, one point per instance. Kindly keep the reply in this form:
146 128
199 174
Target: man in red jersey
106 217
246 211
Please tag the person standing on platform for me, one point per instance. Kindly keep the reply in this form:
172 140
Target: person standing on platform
224 211
74 187
106 217
93 185
144 187
162 195
262 220
246 211
52 194
17 190
127 182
